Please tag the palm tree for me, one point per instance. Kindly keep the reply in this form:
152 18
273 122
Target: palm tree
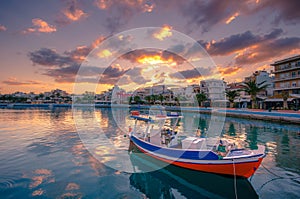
201 97
253 89
231 95
285 95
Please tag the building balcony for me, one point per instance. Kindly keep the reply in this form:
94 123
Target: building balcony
287 78
286 88
289 68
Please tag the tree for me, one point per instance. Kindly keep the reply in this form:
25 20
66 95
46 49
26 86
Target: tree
41 95
201 97
231 95
137 99
253 89
161 98
154 98
285 95
148 98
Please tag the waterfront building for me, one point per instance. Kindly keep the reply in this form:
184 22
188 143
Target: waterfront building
243 100
119 96
263 76
213 88
287 76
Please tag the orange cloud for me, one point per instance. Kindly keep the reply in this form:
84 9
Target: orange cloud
228 71
98 41
138 4
39 25
265 67
163 33
102 4
233 17
75 15
2 28
72 12
148 8
12 81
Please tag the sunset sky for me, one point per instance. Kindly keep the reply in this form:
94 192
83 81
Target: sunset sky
43 43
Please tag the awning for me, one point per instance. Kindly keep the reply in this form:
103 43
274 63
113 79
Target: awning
242 100
278 100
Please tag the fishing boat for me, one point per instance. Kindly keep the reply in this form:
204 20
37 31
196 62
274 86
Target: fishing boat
189 183
160 140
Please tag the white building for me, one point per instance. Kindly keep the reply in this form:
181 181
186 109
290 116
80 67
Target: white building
214 88
263 76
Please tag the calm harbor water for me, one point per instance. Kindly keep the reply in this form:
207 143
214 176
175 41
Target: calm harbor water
43 156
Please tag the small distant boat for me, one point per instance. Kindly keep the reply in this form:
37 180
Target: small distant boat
162 142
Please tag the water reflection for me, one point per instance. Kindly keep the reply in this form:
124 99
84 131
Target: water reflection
231 130
42 155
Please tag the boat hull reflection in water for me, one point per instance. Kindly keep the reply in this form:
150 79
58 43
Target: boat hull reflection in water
172 181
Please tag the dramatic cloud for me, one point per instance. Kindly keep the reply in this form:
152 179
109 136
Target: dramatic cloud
135 75
252 48
114 71
64 67
209 13
40 25
2 28
187 74
112 74
120 12
192 73
14 82
79 53
229 70
286 11
238 42
70 13
49 57
268 50
206 14
68 73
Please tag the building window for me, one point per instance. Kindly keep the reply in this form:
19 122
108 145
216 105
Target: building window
293 74
294 84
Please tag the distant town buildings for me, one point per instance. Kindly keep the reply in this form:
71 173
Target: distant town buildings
282 91
287 76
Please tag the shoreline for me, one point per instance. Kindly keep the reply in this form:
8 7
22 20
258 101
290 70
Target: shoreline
282 116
